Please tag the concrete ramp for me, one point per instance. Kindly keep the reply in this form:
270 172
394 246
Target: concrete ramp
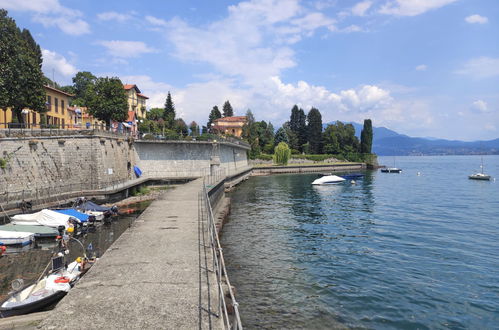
149 278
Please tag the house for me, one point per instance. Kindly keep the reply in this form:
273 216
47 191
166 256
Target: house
136 100
80 118
57 115
229 125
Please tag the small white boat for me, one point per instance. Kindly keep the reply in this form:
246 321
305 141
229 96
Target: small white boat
480 175
328 179
391 170
45 217
16 237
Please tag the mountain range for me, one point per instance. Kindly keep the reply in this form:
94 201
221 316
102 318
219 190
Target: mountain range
387 142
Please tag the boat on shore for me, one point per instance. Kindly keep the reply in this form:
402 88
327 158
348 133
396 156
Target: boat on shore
16 237
38 230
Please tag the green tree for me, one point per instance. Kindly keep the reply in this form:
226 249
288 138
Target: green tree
107 100
214 114
314 129
281 136
331 144
194 127
169 113
366 137
21 77
282 154
250 134
83 83
227 109
181 127
298 126
155 113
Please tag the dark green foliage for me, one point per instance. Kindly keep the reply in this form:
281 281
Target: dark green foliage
314 129
265 157
204 130
250 134
340 139
298 126
83 83
214 114
366 137
314 158
68 89
227 109
281 136
107 100
21 78
169 112
155 113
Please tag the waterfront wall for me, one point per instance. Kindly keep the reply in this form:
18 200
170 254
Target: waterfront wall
34 167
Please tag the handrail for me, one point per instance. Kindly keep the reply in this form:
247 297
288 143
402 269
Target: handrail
219 264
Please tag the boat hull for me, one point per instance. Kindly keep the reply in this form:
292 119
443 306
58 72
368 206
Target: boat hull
391 170
31 307
479 177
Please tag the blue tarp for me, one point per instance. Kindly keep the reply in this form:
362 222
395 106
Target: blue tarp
137 171
72 212
91 206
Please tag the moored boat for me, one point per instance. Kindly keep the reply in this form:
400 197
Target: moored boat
391 170
328 179
16 237
480 175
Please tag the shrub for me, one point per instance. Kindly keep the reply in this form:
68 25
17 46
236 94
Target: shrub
282 153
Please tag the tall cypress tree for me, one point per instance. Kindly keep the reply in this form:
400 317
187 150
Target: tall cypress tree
214 114
169 113
314 129
227 109
366 137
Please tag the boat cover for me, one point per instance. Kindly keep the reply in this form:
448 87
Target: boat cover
91 206
137 171
74 213
39 231
45 217
15 237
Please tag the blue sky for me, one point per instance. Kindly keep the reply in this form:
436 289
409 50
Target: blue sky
420 67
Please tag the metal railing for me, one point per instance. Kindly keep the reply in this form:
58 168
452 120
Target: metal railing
226 304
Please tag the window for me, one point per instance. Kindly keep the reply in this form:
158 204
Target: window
62 106
49 102
56 103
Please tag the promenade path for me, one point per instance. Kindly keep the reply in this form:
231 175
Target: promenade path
149 278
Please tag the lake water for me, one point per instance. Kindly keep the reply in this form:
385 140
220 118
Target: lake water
401 251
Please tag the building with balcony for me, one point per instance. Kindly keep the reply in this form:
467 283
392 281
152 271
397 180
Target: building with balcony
229 125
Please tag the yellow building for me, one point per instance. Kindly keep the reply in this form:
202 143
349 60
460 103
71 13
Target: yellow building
229 125
57 114
79 118
136 100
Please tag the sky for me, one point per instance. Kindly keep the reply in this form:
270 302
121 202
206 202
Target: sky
426 68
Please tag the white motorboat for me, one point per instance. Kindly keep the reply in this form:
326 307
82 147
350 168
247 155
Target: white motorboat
328 179
16 237
391 170
45 217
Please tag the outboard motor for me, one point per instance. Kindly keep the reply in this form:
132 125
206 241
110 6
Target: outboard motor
114 209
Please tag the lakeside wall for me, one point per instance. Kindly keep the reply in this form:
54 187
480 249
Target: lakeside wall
37 167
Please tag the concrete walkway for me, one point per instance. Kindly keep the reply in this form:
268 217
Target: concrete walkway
149 278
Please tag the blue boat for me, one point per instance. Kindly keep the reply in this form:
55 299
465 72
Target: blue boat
74 213
352 176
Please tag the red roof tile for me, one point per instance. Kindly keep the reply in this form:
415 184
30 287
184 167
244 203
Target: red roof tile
142 95
231 119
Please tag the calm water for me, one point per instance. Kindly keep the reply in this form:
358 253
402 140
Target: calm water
392 251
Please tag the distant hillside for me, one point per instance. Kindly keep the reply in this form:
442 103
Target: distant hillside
390 143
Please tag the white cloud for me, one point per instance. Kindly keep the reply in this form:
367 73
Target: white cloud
480 106
481 67
69 26
412 7
113 16
156 21
360 8
62 68
421 67
472 19
351 28
51 13
126 49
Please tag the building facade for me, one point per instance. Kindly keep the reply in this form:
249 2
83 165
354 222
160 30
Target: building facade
229 125
57 103
136 101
